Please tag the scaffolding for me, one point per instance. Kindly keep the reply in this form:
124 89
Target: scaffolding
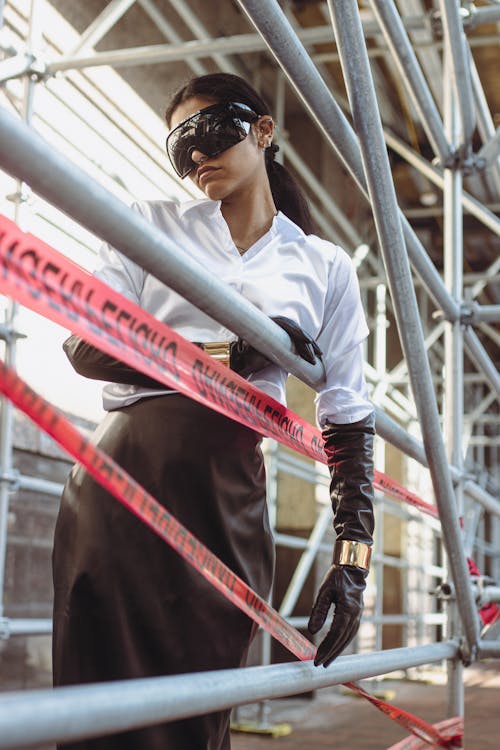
362 149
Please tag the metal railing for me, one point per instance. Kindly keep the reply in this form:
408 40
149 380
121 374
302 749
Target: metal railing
72 713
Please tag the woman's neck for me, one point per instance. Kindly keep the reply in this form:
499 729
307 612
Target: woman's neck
248 219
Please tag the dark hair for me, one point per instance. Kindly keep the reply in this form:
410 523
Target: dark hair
225 87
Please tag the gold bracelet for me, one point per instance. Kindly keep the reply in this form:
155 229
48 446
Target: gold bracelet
352 553
219 350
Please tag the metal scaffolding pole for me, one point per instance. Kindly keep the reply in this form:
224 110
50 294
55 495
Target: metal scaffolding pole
456 43
355 65
435 175
481 358
7 409
72 713
291 55
25 154
486 313
454 355
288 50
484 15
485 125
100 26
411 74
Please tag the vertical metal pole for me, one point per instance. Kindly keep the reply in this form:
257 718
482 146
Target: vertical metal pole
279 110
454 359
354 59
380 360
7 410
459 73
411 74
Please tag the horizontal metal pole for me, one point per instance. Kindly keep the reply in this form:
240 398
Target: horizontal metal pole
486 313
34 484
428 618
432 618
296 542
235 44
68 714
484 15
158 53
26 155
24 626
196 48
489 649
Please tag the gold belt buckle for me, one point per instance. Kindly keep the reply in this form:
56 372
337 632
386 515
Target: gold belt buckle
219 350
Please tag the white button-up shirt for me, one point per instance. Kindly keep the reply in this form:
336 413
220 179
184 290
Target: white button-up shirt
285 272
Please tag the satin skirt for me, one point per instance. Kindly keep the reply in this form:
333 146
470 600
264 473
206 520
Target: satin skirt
125 604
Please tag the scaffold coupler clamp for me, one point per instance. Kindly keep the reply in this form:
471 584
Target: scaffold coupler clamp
468 654
4 628
466 12
444 591
467 313
12 477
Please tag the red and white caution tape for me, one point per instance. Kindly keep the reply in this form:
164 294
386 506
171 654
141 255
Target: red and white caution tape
451 728
42 279
128 492
47 282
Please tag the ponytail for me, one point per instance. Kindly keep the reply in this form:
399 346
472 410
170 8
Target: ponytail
288 197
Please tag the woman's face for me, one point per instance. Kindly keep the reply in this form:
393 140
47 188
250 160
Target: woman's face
236 170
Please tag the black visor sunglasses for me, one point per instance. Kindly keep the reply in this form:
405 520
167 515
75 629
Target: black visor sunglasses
211 130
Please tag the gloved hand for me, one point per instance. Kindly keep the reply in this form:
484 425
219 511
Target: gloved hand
245 359
343 586
349 448
90 362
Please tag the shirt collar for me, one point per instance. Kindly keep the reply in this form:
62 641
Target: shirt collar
200 203
281 223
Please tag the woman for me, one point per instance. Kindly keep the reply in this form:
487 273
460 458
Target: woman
126 605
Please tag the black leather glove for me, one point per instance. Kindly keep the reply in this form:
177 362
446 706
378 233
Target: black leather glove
349 448
90 362
245 359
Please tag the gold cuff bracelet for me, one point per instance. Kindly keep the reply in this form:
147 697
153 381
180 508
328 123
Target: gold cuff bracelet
352 553
219 350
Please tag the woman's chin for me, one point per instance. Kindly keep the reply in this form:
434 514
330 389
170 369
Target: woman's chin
215 192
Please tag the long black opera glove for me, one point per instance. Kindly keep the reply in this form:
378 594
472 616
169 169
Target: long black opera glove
349 448
245 359
90 362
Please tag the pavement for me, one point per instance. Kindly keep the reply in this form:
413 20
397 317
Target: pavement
336 719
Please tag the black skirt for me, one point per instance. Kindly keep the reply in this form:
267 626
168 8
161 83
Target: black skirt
125 604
